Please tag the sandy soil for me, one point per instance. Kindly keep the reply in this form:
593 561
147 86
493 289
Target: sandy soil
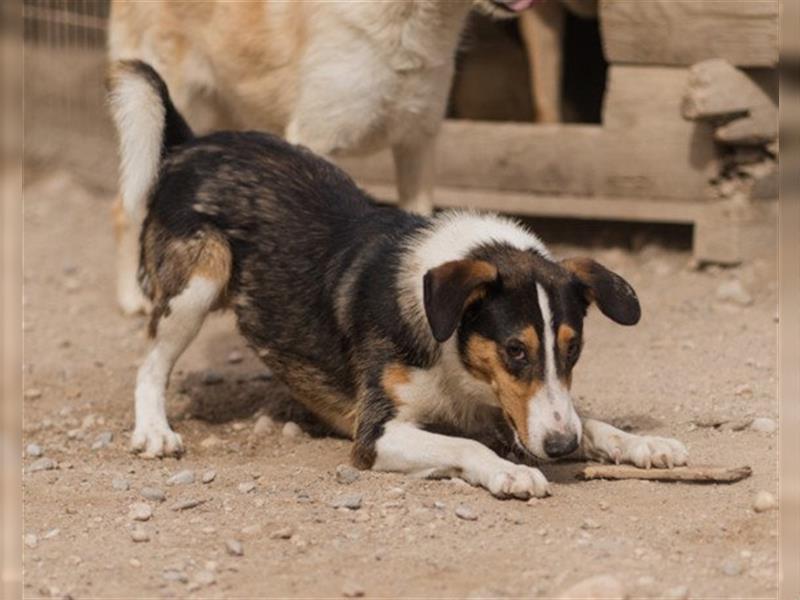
693 360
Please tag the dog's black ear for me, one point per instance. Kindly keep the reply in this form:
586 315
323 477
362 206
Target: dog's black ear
450 288
613 295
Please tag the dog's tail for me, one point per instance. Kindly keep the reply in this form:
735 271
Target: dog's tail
148 124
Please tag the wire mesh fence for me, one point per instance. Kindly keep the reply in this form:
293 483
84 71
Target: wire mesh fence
65 119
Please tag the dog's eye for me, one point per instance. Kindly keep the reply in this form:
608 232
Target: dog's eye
517 351
573 351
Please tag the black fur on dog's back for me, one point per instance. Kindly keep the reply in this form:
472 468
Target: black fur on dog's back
297 228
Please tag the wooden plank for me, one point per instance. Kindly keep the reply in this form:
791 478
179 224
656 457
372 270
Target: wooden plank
683 32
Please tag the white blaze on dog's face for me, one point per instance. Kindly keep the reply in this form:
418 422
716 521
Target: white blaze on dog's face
518 322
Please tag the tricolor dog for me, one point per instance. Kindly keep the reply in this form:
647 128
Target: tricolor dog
413 336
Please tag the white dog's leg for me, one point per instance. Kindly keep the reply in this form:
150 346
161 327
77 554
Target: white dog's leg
152 435
604 442
416 175
405 448
127 228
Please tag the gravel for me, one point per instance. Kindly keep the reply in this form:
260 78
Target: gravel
264 425
139 534
466 513
352 590
291 430
284 533
153 493
140 511
205 578
348 501
33 450
43 464
590 524
209 476
33 394
345 474
103 440
247 486
234 547
120 484
764 501
31 540
734 292
763 425
186 504
184 477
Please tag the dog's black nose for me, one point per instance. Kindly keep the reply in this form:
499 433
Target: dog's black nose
560 444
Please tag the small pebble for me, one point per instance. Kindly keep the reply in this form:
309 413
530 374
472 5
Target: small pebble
247 486
209 476
120 484
264 425
284 533
31 540
154 494
731 567
103 440
186 504
33 393
743 390
734 292
174 575
763 425
33 450
349 501
352 590
590 524
139 534
599 586
396 493
235 357
466 513
184 477
135 562
234 547
291 430
42 464
212 378
140 511
211 441
764 501
345 474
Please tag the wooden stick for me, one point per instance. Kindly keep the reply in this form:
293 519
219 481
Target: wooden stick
697 473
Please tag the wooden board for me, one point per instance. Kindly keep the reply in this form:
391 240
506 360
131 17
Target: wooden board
683 32
694 474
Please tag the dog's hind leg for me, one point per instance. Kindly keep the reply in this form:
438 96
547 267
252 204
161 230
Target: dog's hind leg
126 231
176 322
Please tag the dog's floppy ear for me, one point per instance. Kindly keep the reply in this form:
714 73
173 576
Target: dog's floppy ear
449 288
613 295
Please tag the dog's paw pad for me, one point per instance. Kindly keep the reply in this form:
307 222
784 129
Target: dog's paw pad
156 442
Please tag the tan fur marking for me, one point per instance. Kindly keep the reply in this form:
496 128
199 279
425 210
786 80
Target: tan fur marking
565 335
118 218
394 376
531 339
484 362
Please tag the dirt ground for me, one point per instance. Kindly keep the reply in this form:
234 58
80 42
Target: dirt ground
694 360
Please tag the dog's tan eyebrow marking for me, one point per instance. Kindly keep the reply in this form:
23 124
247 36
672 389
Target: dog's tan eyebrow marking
531 339
565 336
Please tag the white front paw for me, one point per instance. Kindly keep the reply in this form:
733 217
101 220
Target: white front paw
646 451
518 481
156 441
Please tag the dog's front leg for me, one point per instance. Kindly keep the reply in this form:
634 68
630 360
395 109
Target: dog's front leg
405 448
605 442
416 174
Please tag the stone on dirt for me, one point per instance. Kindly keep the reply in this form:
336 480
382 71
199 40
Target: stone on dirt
209 476
597 587
731 567
247 486
140 511
733 291
139 534
345 474
348 501
103 440
205 578
211 441
120 484
264 425
154 494
352 590
763 425
291 430
764 501
184 477
43 464
33 394
234 547
33 450
284 533
680 592
466 513
186 504
235 357
31 540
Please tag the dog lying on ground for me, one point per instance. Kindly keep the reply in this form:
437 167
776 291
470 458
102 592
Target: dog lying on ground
338 77
393 328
